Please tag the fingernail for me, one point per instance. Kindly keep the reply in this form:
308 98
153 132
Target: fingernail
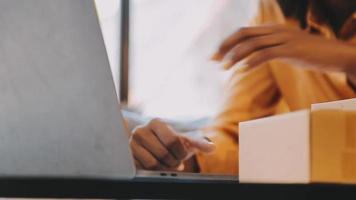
181 167
208 139
228 65
217 57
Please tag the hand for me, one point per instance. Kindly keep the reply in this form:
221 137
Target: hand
156 146
264 43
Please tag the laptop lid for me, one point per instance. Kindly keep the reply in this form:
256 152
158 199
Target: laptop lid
59 113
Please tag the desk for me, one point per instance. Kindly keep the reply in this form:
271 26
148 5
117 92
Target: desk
90 188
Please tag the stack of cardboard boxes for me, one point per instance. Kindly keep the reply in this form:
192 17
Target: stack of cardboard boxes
316 145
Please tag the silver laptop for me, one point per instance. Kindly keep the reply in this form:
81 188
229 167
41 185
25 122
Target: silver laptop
59 113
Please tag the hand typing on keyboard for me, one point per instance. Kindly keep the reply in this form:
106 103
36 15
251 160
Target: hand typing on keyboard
156 146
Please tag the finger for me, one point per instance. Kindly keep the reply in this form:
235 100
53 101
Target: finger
202 144
147 160
268 54
249 46
181 167
151 143
138 164
242 34
169 138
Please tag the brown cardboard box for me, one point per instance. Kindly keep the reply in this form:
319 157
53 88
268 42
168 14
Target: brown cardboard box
301 147
333 142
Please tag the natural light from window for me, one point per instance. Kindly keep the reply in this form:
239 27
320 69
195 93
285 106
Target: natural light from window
171 75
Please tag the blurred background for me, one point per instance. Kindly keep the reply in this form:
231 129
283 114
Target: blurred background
170 45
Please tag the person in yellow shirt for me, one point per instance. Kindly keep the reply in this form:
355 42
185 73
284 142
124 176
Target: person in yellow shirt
295 54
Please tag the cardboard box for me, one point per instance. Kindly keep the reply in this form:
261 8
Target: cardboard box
301 147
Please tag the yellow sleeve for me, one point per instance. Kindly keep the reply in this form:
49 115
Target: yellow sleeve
252 94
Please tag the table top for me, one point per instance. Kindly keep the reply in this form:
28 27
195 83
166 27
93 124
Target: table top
145 189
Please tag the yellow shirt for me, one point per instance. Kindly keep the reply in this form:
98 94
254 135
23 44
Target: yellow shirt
273 88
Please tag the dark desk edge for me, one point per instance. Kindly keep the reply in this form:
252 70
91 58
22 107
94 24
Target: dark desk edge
96 188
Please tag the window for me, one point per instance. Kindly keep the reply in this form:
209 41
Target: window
171 42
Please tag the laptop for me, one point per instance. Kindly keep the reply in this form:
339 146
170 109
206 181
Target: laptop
59 112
